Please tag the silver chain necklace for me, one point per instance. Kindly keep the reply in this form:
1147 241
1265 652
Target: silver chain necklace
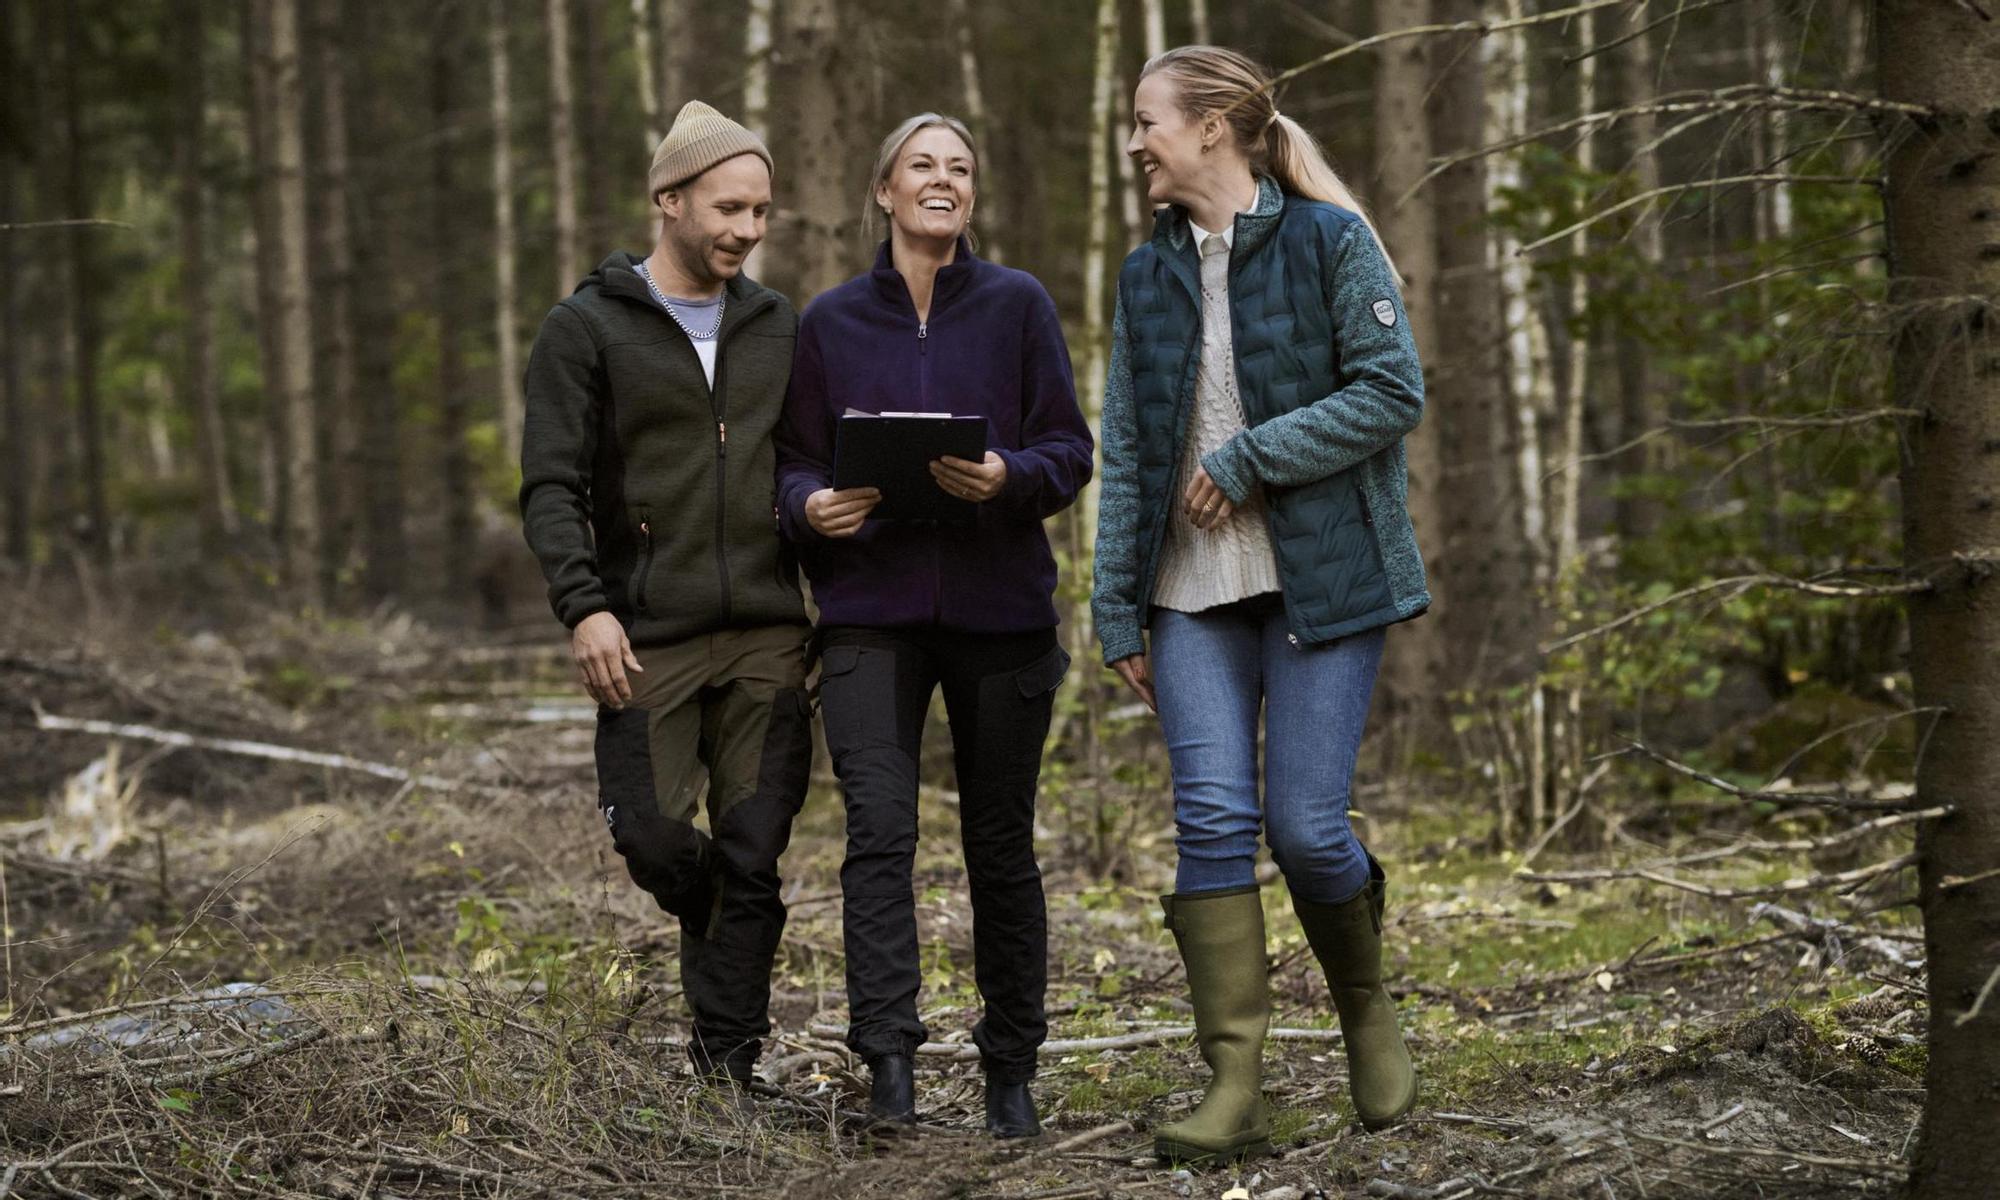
721 306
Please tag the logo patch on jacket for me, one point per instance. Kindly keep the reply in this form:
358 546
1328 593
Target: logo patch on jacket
1385 312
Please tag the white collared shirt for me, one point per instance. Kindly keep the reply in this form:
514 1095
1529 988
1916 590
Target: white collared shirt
1201 236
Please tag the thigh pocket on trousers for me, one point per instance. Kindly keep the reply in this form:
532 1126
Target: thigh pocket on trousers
857 699
1014 711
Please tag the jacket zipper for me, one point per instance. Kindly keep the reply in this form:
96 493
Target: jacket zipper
645 560
924 405
720 405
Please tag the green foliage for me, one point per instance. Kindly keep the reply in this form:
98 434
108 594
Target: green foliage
1761 350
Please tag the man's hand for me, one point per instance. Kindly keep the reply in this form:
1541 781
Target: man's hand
978 482
840 514
602 654
1207 507
1137 676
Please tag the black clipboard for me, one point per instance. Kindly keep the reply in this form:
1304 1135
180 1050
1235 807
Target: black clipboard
894 452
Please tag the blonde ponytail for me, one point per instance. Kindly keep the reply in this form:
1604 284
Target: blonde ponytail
1218 80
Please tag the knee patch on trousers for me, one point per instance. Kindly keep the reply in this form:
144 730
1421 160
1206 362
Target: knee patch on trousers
672 860
753 834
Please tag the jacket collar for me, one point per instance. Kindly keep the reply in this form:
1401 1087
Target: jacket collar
888 285
617 276
1172 230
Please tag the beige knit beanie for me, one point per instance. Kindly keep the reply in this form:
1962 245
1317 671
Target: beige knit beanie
701 137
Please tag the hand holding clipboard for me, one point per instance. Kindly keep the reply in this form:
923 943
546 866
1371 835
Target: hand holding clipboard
921 466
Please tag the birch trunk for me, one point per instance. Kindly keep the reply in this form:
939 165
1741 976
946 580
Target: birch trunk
562 147
642 57
757 98
506 335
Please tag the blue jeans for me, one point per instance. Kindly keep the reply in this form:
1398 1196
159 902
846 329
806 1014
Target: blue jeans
1212 673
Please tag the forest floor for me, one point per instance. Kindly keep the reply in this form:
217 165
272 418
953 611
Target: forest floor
446 985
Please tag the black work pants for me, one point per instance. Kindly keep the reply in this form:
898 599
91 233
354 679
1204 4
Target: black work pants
999 691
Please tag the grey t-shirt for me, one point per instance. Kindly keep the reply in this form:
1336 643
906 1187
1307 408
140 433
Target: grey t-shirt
697 318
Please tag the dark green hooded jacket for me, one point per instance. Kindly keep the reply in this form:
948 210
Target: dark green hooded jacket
644 492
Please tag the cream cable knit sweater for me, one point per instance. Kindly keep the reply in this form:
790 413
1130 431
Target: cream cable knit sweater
1202 568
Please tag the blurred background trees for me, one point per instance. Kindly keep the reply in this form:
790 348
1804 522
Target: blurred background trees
270 269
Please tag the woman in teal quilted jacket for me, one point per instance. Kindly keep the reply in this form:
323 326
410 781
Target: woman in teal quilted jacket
1253 520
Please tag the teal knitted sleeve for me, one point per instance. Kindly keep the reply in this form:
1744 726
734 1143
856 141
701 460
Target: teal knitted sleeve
1380 402
1114 596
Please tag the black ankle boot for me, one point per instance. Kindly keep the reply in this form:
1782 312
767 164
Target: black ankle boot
1010 1110
892 1092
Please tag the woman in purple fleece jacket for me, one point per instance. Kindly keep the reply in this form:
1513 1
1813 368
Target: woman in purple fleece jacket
907 607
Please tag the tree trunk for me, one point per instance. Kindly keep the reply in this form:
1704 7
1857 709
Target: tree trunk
1481 559
1198 18
973 96
1153 14
676 36
757 68
258 104
333 277
1639 410
454 455
811 67
506 335
94 526
642 57
1576 390
1081 519
214 506
376 204
299 555
562 148
757 54
1530 374
1136 225
1942 200
595 142
1414 673
13 419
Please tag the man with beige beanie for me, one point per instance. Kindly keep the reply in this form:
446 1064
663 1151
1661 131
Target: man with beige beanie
646 492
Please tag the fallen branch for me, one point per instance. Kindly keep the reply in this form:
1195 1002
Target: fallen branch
1791 845
1088 1137
250 1058
1873 1166
265 750
1774 795
1843 881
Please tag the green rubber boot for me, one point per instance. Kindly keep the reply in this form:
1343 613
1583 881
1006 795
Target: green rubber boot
1221 938
1347 939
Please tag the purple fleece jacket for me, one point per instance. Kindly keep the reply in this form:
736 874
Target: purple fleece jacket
993 347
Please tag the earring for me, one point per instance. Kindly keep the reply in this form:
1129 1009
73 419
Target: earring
1205 147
